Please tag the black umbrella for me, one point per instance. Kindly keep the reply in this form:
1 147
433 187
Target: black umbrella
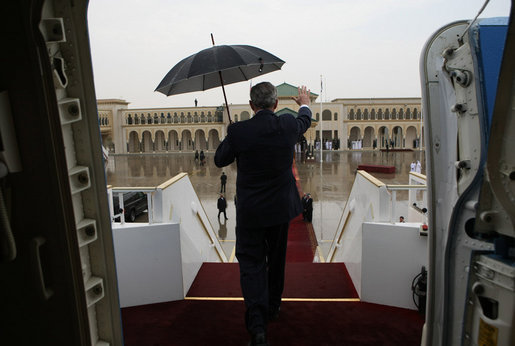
218 66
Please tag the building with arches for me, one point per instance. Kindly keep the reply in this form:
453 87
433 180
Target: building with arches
373 123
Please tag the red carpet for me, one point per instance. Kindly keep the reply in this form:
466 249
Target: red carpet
302 280
189 322
302 241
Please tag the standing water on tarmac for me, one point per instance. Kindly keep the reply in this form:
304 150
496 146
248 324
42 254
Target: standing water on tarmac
329 182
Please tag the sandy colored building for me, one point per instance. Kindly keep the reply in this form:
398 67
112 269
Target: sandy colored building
347 123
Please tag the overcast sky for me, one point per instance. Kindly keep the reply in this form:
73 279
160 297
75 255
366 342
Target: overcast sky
362 48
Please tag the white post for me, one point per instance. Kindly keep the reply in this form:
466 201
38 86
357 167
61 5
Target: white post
150 208
122 207
320 200
420 140
321 141
392 209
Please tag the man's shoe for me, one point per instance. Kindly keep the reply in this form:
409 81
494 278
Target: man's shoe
258 339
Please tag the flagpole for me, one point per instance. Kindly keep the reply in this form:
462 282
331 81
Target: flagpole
321 141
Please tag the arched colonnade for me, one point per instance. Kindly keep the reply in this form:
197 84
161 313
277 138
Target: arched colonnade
381 136
159 140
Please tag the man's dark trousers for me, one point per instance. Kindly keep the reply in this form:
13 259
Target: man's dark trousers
256 269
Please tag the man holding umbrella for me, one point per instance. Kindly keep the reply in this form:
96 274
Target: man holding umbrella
267 199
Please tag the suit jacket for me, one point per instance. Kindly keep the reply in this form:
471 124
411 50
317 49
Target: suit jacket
263 148
221 203
309 204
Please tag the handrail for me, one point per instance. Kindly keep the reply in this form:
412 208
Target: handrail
172 181
406 187
338 242
418 175
393 195
132 189
212 244
371 178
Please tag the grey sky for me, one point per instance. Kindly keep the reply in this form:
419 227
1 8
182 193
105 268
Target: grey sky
366 48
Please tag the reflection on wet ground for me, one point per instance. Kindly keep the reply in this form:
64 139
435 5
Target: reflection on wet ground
329 182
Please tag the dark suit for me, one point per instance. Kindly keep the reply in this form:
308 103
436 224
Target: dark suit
223 181
221 205
267 199
309 209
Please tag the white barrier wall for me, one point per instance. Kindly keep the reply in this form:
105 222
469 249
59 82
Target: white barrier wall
158 262
365 199
177 201
393 254
148 263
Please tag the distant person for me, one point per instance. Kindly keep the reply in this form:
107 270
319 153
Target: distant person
223 181
309 208
412 166
196 102
401 219
268 199
196 155
418 167
221 205
303 201
202 157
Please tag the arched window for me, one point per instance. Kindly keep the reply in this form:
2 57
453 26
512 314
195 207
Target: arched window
387 114
175 118
335 116
168 119
163 120
394 113
326 115
202 117
190 118
149 119
195 117
351 114
365 114
209 117
373 114
415 113
380 114
408 113
129 120
136 119
156 119
183 118
358 115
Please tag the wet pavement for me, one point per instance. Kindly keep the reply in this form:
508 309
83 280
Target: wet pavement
329 182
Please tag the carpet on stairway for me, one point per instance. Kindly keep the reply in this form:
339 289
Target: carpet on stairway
302 280
191 322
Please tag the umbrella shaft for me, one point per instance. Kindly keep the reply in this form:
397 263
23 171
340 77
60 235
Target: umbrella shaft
225 97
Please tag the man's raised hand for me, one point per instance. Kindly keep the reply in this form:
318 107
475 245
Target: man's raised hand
303 98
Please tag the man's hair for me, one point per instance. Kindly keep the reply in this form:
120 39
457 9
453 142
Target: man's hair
263 95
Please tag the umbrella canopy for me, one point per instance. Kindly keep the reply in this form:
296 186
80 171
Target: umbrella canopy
218 66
